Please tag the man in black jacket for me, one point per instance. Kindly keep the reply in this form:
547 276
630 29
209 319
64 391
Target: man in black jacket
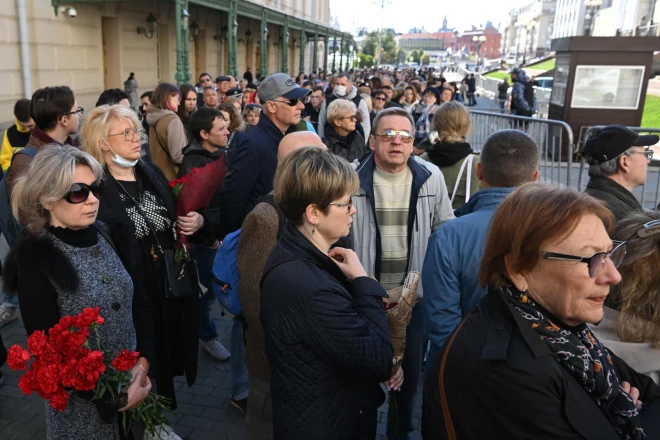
209 130
618 162
253 168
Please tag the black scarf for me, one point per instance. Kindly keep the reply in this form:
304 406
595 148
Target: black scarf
445 155
581 353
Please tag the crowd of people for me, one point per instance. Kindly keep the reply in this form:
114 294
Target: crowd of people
339 187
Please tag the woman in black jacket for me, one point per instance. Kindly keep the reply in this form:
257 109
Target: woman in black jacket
137 194
524 364
341 136
327 339
65 263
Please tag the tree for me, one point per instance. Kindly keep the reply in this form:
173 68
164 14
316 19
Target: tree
425 59
415 55
388 46
366 61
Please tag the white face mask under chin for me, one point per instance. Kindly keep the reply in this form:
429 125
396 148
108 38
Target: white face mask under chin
122 162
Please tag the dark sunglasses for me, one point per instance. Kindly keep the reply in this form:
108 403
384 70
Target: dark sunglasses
290 102
596 262
79 192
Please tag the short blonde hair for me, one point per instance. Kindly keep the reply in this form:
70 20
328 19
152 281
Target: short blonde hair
338 109
312 176
367 99
452 122
48 179
96 127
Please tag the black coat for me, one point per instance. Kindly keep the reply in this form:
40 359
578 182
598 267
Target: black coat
34 264
349 147
195 156
502 382
252 169
327 344
620 201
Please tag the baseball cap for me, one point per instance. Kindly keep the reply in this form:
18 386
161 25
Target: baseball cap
612 141
280 84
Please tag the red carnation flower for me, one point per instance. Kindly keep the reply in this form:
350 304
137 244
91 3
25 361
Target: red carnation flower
48 377
125 360
59 399
89 369
28 382
16 357
88 317
37 342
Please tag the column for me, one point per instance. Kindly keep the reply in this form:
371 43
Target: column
341 53
180 75
285 46
185 53
263 62
232 28
315 56
303 43
326 38
334 48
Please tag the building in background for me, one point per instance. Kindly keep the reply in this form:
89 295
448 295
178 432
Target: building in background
486 42
628 18
107 40
528 34
419 39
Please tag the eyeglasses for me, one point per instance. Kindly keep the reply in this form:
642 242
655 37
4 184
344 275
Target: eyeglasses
648 154
389 135
351 117
348 205
290 102
379 99
130 133
79 110
79 192
596 262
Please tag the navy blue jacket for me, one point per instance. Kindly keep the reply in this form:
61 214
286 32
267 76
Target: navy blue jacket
252 171
451 266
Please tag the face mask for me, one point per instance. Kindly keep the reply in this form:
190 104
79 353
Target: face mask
122 162
340 90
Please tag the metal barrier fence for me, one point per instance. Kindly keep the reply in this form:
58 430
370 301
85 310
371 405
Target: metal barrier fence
648 194
554 138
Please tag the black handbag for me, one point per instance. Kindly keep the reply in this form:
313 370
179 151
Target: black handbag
178 282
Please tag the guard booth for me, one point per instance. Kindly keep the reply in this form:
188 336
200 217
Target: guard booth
601 80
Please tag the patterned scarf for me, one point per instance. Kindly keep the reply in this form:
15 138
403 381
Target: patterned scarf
582 354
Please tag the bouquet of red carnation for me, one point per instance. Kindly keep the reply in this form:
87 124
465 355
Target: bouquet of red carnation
63 363
193 192
398 308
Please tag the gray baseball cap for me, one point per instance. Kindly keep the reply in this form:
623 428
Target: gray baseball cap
280 84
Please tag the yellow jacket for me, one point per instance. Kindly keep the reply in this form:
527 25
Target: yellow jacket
9 147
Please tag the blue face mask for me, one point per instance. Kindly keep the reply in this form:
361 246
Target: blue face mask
122 162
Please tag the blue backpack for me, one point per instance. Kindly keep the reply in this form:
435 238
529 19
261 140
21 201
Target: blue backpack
225 270
9 225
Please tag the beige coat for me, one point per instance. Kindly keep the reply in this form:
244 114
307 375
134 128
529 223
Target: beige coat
640 356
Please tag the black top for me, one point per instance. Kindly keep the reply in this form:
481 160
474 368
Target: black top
502 381
620 201
327 343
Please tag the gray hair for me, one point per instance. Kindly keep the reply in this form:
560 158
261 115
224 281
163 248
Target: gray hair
48 179
509 158
392 111
338 109
610 167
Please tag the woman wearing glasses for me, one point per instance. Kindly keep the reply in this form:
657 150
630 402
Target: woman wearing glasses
524 363
340 134
630 327
327 339
66 263
137 195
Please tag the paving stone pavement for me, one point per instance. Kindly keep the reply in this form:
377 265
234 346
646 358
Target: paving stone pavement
204 411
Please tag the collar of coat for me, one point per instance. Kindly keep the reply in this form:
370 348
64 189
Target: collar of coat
268 128
610 186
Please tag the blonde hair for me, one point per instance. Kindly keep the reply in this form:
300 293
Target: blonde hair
96 127
452 122
338 109
47 180
638 294
311 175
367 99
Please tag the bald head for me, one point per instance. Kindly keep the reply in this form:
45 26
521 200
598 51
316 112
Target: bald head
298 139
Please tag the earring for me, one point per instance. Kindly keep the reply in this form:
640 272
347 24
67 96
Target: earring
313 230
524 298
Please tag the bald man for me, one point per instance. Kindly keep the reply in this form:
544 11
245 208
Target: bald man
260 231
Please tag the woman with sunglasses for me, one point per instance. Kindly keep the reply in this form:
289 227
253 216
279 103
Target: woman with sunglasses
327 339
631 323
67 262
137 195
340 134
525 363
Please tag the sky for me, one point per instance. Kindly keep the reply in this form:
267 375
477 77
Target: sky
403 15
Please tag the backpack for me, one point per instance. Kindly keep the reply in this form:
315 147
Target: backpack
9 225
225 270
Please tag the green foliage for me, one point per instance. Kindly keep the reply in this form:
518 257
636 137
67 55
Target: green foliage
498 74
388 46
651 116
415 55
366 61
425 60
543 65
